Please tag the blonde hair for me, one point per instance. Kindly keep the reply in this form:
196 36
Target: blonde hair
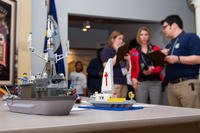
113 35
143 28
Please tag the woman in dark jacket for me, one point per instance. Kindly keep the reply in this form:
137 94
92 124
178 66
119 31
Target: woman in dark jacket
116 40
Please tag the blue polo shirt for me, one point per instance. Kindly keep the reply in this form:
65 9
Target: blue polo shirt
184 45
107 53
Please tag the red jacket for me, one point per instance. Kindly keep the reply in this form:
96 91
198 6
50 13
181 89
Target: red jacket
136 65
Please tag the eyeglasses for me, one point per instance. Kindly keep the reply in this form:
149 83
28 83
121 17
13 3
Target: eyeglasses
165 26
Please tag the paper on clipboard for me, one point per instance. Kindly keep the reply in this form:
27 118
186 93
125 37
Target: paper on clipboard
157 58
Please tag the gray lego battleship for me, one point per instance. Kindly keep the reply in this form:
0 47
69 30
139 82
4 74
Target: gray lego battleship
45 94
42 106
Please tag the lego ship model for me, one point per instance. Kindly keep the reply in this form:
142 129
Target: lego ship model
45 94
108 98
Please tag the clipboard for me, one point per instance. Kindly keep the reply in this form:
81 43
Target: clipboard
121 52
157 58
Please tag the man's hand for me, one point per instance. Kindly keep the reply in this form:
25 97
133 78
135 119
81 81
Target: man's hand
165 51
171 59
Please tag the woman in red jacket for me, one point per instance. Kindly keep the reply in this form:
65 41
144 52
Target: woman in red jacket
146 78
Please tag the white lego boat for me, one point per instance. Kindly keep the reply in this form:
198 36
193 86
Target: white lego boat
108 98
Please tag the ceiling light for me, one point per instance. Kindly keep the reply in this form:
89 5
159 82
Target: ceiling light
84 29
87 24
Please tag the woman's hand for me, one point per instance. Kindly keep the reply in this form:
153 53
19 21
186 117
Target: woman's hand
148 72
134 83
116 46
127 57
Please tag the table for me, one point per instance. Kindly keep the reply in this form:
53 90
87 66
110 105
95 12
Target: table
153 119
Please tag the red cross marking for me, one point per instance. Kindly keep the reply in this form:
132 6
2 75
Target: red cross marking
106 76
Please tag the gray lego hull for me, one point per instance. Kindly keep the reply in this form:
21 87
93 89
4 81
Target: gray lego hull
125 104
43 106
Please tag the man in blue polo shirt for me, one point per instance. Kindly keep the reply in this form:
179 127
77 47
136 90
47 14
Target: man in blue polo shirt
183 58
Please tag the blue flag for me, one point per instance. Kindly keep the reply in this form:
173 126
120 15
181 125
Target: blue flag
52 32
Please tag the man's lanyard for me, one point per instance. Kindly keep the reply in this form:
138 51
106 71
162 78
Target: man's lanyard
173 46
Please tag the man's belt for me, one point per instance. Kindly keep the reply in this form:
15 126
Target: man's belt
178 80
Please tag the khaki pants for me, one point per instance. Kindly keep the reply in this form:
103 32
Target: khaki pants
121 90
184 94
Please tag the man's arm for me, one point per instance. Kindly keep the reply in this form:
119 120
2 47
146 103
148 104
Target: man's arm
188 60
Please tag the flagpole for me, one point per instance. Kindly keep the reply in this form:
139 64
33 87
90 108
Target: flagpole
47 4
52 37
